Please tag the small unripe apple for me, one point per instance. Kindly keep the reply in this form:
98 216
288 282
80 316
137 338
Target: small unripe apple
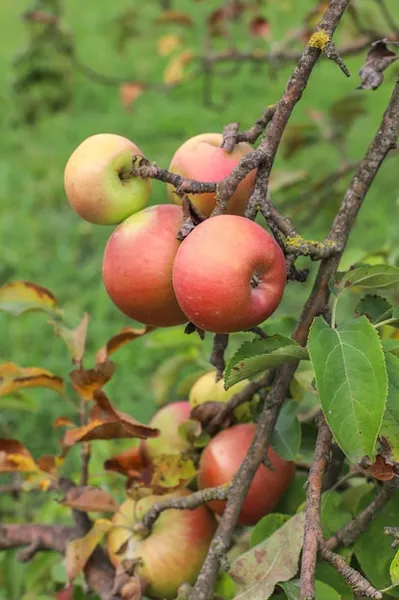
229 274
207 389
97 183
202 158
138 262
167 420
221 460
173 552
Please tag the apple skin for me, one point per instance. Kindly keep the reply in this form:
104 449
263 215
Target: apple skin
202 158
207 389
137 266
175 549
229 274
92 180
222 458
167 420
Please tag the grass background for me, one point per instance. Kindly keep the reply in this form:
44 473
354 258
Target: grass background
43 241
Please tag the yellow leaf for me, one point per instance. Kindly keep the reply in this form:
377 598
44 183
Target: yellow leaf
21 296
14 378
88 381
22 463
169 43
174 72
125 335
15 457
79 551
75 339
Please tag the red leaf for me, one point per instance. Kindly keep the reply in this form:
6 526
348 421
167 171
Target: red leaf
259 27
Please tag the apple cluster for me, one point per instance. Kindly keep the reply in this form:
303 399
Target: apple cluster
179 540
227 275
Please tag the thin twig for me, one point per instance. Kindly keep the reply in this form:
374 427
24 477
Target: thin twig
220 343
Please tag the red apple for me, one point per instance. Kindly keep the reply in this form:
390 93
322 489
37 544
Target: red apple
138 262
202 158
173 552
96 183
229 274
221 460
167 420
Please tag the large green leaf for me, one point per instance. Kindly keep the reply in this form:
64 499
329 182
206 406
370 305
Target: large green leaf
370 277
352 382
391 345
333 514
390 422
266 527
286 437
374 307
258 570
258 356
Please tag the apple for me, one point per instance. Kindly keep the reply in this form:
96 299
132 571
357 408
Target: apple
96 181
137 266
207 389
229 274
173 552
202 158
221 460
167 420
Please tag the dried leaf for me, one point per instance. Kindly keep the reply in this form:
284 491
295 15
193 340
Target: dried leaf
66 593
75 339
176 17
48 464
132 589
15 457
259 27
128 334
171 472
107 424
129 92
79 551
129 463
14 378
168 43
87 381
380 469
19 297
378 58
90 499
64 422
174 72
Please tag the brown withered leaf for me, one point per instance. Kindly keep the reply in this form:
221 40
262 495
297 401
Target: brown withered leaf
19 297
79 551
129 463
66 593
90 499
259 27
48 464
14 378
380 469
129 92
15 457
127 584
176 17
132 589
63 422
125 335
107 424
378 58
75 339
40 16
87 381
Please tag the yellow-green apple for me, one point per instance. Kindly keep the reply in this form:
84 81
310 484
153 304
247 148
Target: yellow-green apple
97 183
167 420
229 274
221 460
207 389
173 552
138 262
202 158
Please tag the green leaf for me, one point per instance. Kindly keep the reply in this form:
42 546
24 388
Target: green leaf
333 514
327 574
258 356
225 587
394 569
371 277
373 548
373 307
164 378
257 571
352 382
295 496
286 437
266 527
322 590
390 422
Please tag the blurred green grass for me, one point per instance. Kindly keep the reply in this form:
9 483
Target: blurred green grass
43 241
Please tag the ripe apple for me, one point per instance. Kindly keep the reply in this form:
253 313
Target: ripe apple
138 262
167 420
202 158
96 181
207 389
175 549
221 460
229 274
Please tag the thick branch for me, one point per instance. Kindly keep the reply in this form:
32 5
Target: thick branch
312 518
